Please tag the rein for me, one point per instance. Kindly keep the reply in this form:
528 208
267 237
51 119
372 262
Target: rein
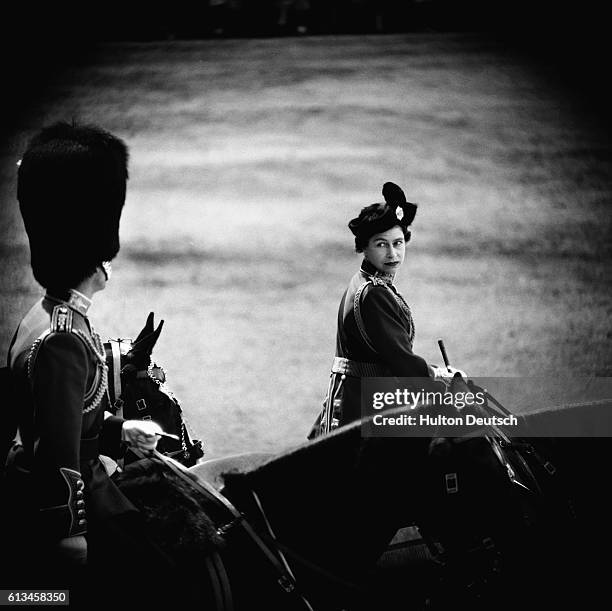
219 578
507 442
298 558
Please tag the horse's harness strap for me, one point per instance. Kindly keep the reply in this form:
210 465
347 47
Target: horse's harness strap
507 442
219 582
118 348
283 549
116 352
544 463
285 580
282 582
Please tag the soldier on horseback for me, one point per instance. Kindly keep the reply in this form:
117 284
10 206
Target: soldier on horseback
375 325
71 191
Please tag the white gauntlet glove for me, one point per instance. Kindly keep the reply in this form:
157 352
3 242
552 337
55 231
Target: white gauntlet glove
141 434
442 374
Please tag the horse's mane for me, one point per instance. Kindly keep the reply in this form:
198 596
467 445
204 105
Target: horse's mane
171 508
342 448
341 451
342 471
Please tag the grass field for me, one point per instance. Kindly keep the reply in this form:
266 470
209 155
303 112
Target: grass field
250 156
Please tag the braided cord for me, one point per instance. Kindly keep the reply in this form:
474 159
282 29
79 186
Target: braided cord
382 280
94 343
100 383
407 311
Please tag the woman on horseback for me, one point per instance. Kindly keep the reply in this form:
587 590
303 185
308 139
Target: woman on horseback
71 191
375 325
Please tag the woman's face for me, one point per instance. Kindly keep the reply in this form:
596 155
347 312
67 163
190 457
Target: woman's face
385 251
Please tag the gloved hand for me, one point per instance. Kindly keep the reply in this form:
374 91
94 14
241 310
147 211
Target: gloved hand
141 434
454 370
442 374
73 550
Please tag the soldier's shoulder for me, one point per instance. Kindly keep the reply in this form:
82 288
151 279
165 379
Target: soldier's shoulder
62 319
65 329
377 296
375 288
376 281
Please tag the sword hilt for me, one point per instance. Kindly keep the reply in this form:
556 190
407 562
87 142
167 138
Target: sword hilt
444 356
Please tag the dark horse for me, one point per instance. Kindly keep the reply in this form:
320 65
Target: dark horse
310 528
138 390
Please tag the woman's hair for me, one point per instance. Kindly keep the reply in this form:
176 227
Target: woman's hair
378 218
374 219
71 190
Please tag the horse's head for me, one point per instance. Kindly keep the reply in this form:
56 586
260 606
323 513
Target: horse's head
139 355
138 390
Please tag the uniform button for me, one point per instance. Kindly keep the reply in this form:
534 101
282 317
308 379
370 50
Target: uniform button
79 493
80 484
81 512
80 503
82 522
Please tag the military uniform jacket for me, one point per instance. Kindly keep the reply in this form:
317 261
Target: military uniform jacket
60 382
375 326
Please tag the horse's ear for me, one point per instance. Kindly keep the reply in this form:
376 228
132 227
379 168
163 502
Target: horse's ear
147 329
156 334
140 353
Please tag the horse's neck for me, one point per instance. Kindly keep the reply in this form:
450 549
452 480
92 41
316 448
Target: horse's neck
336 502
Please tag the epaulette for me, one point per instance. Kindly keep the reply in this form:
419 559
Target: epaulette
61 319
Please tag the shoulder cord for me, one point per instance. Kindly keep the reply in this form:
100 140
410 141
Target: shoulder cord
405 308
100 382
33 352
95 345
358 317
399 300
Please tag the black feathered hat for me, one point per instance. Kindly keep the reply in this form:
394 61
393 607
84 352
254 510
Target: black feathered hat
71 190
378 218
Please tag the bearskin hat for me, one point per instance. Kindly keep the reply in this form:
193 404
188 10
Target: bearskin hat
378 218
71 190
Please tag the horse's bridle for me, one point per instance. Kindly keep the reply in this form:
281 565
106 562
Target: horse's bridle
120 347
